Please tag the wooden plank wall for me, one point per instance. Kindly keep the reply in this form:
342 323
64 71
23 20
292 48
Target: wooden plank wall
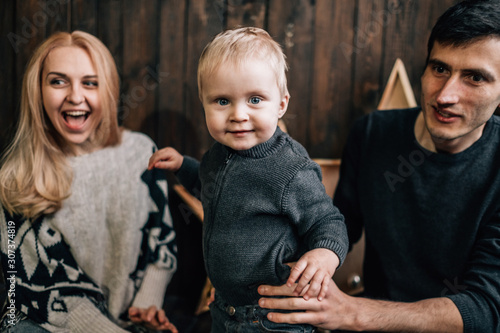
340 53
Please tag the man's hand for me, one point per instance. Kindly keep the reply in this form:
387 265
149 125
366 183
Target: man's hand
339 311
327 314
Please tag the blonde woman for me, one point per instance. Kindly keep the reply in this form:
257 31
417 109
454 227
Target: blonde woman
87 243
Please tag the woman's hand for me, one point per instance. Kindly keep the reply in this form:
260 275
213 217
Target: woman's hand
151 318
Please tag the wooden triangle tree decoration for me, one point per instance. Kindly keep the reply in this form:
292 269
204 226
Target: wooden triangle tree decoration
398 93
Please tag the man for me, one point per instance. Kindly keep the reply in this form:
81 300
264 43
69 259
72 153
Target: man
425 186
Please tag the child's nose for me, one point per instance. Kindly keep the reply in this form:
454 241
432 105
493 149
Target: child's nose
239 113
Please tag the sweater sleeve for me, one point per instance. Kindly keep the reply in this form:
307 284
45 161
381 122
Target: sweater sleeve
49 286
159 248
189 177
477 297
152 288
85 317
318 221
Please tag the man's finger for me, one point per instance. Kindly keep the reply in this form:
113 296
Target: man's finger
290 303
292 318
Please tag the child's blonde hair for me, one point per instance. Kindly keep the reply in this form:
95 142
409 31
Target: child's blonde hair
239 44
35 177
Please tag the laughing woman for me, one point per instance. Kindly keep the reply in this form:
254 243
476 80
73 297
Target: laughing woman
85 229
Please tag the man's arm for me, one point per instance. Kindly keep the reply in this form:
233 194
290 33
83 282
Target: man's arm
341 311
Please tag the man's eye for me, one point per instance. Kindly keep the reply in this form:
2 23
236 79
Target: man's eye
255 100
439 69
222 101
477 78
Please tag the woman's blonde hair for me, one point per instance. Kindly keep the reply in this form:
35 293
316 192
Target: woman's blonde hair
35 176
237 45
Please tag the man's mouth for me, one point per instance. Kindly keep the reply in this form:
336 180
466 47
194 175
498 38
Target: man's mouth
445 115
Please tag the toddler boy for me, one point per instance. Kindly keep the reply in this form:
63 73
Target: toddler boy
263 200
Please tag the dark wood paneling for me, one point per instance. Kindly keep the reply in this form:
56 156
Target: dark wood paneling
59 15
246 13
340 55
84 14
291 23
170 78
109 28
204 22
30 29
332 81
140 48
371 20
8 45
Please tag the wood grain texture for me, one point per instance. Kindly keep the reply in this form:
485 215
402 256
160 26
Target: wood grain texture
204 22
332 80
110 28
340 55
291 23
170 77
372 18
140 49
241 13
8 82
84 15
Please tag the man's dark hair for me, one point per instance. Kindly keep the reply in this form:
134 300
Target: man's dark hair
466 22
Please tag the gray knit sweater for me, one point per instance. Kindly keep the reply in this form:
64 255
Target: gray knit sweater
263 207
112 245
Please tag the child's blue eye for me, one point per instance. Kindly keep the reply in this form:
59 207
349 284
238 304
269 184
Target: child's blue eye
223 101
255 100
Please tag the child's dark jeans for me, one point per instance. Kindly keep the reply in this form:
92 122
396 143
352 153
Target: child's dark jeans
248 318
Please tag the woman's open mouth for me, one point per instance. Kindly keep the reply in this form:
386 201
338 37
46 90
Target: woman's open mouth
75 119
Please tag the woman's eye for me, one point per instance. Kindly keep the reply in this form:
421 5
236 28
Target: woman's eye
255 100
90 83
222 101
57 82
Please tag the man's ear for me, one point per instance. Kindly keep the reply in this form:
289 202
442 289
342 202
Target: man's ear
284 105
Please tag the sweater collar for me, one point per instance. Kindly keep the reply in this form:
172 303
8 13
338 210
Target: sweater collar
264 149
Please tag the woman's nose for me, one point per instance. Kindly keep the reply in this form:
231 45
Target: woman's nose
75 95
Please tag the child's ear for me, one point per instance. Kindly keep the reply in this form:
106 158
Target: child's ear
284 105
